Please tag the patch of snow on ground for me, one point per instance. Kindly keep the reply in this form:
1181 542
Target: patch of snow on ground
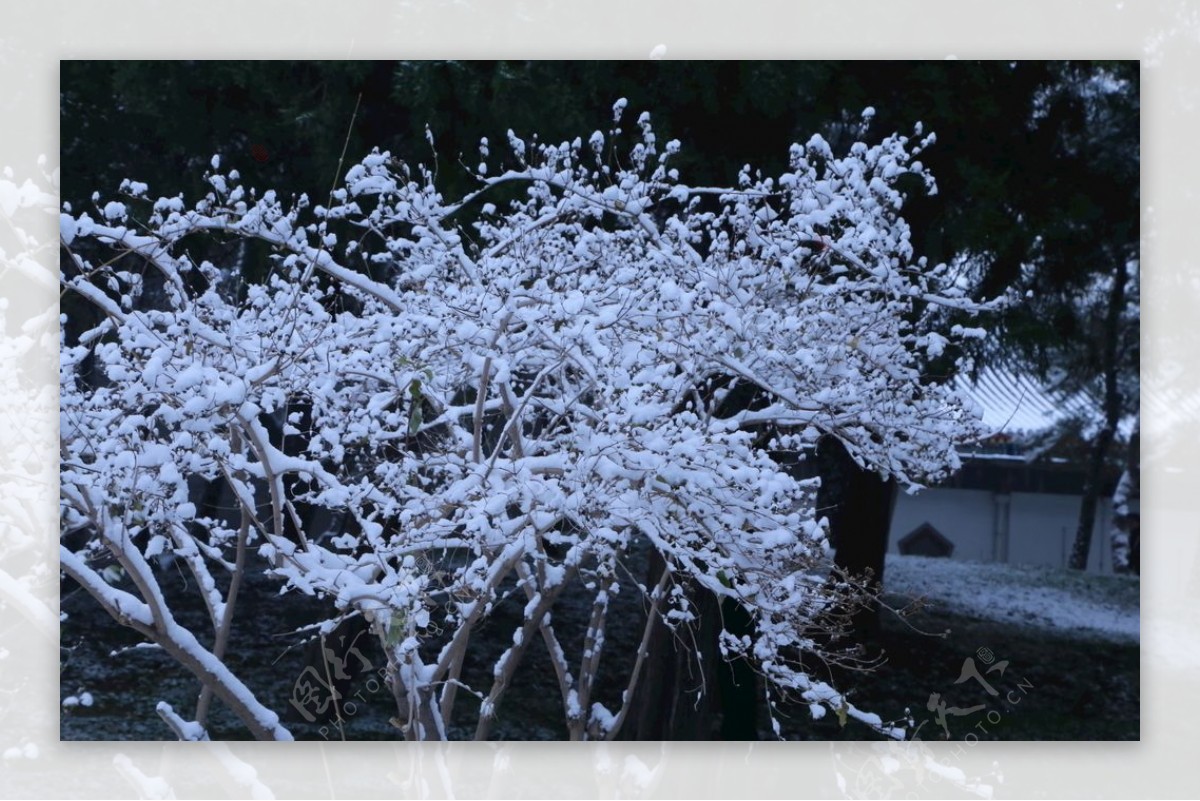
1048 598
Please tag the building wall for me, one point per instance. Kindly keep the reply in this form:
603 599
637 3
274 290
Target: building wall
962 516
1019 528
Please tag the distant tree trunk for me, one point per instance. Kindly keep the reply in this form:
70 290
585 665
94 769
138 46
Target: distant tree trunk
859 506
1126 539
1093 482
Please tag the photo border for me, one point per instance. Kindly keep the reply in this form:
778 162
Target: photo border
1164 36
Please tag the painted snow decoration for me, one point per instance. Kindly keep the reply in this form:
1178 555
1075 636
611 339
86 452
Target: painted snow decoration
532 389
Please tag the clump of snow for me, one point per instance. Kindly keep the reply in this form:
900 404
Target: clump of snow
67 228
188 730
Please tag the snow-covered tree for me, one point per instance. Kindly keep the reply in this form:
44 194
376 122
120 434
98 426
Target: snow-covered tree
502 394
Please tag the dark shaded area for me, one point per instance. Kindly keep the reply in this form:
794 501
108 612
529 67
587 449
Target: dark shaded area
1062 687
925 540
1017 475
858 504
284 124
689 691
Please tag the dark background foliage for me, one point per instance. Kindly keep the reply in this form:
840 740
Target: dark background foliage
1031 169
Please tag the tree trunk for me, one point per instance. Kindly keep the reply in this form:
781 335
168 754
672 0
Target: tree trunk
1093 483
1126 540
689 691
859 506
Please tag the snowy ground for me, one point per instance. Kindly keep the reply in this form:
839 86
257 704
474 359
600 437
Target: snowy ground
1063 601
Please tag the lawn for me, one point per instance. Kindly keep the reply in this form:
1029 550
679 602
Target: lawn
1070 641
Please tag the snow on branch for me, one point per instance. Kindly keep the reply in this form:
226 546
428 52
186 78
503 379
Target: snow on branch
494 398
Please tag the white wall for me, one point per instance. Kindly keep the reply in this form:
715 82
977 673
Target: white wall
1040 526
963 516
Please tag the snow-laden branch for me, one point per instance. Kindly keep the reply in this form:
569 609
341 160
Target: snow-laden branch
177 641
499 398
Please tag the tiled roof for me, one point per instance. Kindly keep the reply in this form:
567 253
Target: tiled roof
1015 403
